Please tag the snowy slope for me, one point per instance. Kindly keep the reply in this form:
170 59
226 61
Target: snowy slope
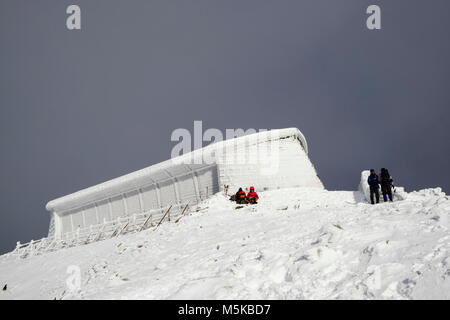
295 244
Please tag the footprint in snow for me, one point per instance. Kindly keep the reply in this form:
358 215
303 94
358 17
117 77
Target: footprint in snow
406 287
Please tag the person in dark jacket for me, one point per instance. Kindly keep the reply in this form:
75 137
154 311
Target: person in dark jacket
241 197
252 196
374 185
386 184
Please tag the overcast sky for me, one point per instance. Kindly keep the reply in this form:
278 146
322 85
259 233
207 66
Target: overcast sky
82 107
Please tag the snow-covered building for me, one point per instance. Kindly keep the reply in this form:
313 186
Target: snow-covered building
267 160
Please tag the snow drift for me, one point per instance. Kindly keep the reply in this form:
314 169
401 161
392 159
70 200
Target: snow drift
299 243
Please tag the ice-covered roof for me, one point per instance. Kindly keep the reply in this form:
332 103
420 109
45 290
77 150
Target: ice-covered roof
164 170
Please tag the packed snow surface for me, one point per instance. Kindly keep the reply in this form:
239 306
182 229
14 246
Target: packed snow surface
299 243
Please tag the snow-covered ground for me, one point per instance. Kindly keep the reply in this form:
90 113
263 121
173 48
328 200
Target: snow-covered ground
295 244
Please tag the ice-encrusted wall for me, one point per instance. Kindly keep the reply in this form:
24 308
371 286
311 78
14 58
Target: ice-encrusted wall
135 193
266 160
288 166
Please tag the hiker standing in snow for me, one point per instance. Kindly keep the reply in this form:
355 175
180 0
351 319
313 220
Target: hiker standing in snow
386 184
252 196
374 184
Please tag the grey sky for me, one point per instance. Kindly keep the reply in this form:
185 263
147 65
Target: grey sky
82 107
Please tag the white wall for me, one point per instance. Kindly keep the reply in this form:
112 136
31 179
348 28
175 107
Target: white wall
178 185
286 167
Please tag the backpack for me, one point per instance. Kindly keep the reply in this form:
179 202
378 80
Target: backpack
385 176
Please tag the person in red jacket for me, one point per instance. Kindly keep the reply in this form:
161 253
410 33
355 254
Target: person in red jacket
252 196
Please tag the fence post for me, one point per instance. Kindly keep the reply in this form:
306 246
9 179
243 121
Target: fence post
17 248
123 229
42 244
117 228
163 217
31 245
145 223
182 213
90 233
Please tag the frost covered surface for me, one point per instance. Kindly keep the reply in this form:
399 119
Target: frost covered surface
296 243
129 181
267 160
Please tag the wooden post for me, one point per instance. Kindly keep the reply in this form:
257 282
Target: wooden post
184 210
163 217
145 223
123 229
182 213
